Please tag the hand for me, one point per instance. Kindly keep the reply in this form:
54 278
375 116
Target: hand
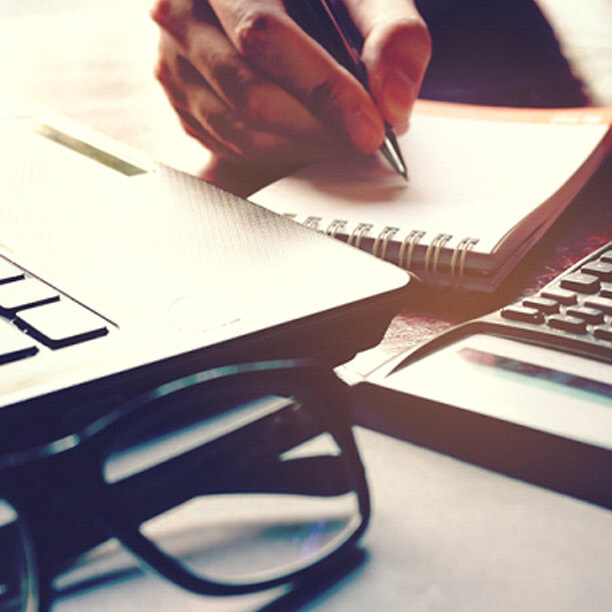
251 86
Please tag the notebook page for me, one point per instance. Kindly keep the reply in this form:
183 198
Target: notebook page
468 177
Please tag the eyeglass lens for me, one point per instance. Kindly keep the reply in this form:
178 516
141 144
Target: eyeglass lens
18 581
248 493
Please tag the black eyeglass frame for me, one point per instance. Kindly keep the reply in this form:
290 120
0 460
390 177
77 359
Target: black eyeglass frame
302 378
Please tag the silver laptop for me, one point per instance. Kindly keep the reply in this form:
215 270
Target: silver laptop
118 272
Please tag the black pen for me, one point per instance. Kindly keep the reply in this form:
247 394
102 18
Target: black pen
318 19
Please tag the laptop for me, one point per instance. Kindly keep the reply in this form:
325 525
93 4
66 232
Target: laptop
118 273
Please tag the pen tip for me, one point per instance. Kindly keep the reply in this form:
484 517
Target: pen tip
390 149
401 169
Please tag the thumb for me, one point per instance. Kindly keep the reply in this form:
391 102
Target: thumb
396 52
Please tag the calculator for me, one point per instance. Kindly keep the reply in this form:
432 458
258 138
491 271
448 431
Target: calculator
525 390
573 313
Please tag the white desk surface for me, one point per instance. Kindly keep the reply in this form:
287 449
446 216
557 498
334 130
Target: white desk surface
444 535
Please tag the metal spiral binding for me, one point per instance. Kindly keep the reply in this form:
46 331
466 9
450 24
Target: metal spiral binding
411 239
335 226
312 222
358 233
435 246
460 253
383 238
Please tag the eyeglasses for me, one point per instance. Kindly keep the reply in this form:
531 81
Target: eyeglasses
226 481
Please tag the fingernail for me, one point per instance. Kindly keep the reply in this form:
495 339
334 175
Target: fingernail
399 94
365 130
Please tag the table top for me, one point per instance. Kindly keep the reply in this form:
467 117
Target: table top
444 534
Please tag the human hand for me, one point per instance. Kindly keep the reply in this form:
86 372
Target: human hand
255 89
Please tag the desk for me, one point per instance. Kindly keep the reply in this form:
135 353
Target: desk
444 535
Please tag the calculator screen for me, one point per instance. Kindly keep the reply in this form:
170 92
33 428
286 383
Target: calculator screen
534 374
529 385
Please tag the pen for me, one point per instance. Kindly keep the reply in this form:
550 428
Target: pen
318 19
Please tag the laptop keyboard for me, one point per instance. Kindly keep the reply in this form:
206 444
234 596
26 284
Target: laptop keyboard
33 315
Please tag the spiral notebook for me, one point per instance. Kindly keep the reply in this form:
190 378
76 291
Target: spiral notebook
485 184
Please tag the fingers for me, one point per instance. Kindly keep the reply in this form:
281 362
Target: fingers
186 97
242 179
207 118
263 34
222 101
396 52
249 83
262 103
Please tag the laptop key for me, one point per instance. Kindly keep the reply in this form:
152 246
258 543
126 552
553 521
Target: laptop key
563 296
24 294
9 272
603 332
61 323
542 304
601 303
583 283
14 344
601 269
522 313
586 313
568 323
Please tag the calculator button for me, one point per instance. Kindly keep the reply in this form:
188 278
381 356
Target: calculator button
590 315
542 304
523 314
601 269
24 294
601 303
603 332
61 323
583 283
9 272
606 290
14 344
563 296
570 324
